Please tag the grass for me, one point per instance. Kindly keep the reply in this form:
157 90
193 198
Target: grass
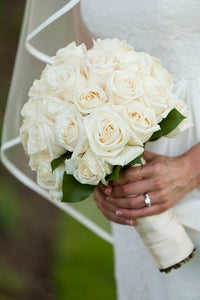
83 265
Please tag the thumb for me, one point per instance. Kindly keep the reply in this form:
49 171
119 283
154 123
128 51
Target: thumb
148 155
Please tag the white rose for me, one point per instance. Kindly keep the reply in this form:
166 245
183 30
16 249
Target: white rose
40 88
71 53
36 158
159 96
70 131
36 142
98 67
53 106
108 136
56 195
89 169
48 179
64 79
90 98
122 87
31 108
186 123
106 131
39 136
136 62
161 74
142 122
112 46
23 134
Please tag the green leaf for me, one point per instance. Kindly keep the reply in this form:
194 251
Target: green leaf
173 119
136 161
60 160
114 175
116 170
74 191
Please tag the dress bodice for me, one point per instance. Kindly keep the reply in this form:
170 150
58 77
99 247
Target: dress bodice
167 29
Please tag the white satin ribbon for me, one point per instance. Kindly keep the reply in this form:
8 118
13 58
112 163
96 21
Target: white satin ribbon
37 53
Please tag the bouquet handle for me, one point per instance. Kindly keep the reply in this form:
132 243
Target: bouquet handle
166 240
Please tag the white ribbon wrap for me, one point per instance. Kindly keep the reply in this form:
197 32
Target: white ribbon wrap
165 239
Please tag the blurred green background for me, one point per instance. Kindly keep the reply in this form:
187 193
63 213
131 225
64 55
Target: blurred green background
44 253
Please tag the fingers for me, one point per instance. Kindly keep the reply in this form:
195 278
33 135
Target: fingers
138 187
114 217
108 209
148 155
105 189
142 212
124 210
127 202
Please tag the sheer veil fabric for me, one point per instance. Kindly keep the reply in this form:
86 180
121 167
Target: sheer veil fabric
47 26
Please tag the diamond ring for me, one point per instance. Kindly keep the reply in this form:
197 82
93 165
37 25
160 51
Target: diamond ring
147 200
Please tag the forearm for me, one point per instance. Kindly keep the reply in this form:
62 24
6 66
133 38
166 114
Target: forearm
192 159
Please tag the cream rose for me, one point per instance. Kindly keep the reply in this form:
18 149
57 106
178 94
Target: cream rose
71 53
40 88
112 47
98 67
159 96
90 98
39 137
108 136
186 123
139 63
89 169
142 122
161 74
70 133
64 79
106 131
48 179
122 87
56 194
53 106
32 108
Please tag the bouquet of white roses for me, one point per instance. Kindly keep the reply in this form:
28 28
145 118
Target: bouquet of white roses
90 115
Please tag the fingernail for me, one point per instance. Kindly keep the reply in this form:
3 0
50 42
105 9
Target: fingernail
107 191
119 213
129 222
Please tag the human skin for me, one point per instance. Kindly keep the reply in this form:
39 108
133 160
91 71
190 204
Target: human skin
165 179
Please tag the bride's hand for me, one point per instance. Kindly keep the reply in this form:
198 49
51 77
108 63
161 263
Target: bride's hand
165 179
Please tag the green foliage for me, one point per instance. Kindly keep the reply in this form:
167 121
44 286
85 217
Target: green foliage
11 280
173 119
117 169
82 267
60 160
10 212
114 175
136 161
74 191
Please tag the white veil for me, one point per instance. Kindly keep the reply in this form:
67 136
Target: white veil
47 26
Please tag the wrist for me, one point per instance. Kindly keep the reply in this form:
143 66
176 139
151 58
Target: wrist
191 168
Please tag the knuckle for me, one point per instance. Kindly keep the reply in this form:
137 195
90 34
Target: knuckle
124 189
132 203
158 167
159 183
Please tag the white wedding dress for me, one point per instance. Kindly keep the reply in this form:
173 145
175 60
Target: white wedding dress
169 30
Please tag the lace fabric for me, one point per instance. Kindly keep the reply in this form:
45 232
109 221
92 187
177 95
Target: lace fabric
165 29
